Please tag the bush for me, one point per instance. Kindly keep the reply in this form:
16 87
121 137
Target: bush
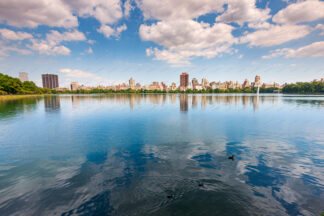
3 92
304 88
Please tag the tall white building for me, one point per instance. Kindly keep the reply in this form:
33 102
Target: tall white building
131 83
74 86
257 81
23 76
173 86
194 83
205 83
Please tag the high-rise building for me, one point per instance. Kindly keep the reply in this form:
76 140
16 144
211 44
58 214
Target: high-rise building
138 86
23 76
173 86
213 85
205 83
74 86
230 84
50 81
195 83
184 81
246 84
257 81
131 83
155 86
164 86
237 84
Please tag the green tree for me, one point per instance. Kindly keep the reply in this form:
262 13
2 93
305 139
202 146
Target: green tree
9 84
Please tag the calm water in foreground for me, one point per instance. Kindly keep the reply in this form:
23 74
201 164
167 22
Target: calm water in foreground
124 154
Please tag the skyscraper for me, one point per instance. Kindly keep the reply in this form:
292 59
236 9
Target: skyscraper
173 86
23 76
257 81
164 86
131 83
74 86
50 81
246 84
194 83
184 81
204 83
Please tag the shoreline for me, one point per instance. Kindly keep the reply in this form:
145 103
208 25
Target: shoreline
13 97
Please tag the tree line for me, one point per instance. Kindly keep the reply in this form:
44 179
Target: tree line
314 87
11 85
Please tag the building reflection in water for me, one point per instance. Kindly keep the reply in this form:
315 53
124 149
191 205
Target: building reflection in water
245 100
203 101
194 101
75 101
256 102
173 98
132 101
52 103
184 103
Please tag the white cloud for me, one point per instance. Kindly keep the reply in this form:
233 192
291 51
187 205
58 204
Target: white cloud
60 50
241 11
83 77
121 29
321 28
73 35
43 47
172 57
302 11
75 73
32 13
91 41
315 49
180 9
277 53
184 39
110 32
11 35
58 13
4 50
128 7
259 25
106 12
240 56
90 50
275 35
7 46
52 44
106 30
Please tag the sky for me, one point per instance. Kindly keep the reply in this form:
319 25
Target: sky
108 41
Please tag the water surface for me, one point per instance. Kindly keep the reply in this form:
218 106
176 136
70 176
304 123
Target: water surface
124 154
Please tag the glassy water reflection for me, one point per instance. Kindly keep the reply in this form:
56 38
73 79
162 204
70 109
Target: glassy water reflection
124 154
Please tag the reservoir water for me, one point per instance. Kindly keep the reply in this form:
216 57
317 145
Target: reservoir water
162 155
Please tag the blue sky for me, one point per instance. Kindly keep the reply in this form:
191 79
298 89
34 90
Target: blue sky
106 42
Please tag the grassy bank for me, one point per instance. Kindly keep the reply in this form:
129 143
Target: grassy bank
15 97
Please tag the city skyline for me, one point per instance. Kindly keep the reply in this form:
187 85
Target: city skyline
91 42
51 81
